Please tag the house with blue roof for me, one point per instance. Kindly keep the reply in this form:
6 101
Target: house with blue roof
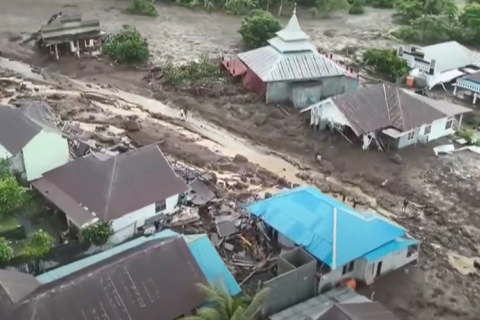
347 244
205 254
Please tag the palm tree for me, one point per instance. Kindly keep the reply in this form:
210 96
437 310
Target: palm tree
221 306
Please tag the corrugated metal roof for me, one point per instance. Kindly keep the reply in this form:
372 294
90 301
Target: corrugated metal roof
17 285
16 130
392 246
305 215
450 55
110 188
270 65
318 305
382 106
208 259
290 57
154 281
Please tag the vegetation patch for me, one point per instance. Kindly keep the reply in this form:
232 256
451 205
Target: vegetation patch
357 7
386 62
143 8
127 46
257 28
200 71
97 233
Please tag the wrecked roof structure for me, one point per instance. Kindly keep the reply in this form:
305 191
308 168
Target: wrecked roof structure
154 281
110 187
384 106
67 28
358 311
290 56
306 216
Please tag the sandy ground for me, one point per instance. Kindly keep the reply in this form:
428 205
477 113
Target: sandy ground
445 199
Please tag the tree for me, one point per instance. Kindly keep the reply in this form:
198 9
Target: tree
6 253
408 10
327 7
12 195
38 245
97 233
383 4
357 7
224 307
386 62
257 29
127 46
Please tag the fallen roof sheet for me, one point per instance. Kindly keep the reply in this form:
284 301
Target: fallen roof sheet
154 281
118 185
202 194
305 215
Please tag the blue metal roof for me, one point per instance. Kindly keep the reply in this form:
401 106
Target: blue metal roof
64 271
305 215
208 259
392 246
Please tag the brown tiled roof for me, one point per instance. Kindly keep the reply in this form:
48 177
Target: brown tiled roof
383 106
358 311
16 130
154 281
118 185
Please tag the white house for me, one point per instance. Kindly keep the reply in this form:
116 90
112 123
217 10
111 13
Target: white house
31 146
347 244
126 190
439 63
392 117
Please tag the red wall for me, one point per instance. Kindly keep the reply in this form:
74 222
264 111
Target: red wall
253 83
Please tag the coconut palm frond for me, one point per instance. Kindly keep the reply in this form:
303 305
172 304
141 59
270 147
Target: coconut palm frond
208 313
216 297
192 318
257 303
238 314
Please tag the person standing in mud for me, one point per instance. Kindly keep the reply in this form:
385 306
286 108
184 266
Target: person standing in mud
405 204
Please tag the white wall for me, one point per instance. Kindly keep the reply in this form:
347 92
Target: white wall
126 226
46 151
334 277
437 131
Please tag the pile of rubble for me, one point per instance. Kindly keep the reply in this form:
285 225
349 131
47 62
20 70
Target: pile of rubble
241 239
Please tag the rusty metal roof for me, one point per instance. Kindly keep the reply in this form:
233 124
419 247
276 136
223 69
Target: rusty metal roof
383 106
115 186
358 311
154 281
16 130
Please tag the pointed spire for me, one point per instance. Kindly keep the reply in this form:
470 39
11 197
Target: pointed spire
295 9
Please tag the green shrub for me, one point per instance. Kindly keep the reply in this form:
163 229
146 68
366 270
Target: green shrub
144 8
357 7
257 29
386 62
126 46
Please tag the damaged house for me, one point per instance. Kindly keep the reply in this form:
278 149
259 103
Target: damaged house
439 63
291 69
128 190
327 229
70 35
31 145
155 280
392 117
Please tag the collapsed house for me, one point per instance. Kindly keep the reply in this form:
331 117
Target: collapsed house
67 35
392 117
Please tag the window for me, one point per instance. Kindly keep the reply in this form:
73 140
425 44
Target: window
449 124
428 129
348 268
411 135
160 206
